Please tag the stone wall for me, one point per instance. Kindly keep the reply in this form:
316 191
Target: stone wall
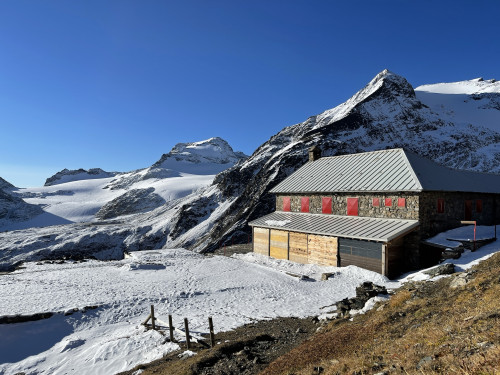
432 222
365 204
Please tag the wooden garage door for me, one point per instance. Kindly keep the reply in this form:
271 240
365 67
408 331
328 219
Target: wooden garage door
322 250
261 240
364 254
279 244
298 247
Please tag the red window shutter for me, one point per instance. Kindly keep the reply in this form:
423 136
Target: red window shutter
376 202
352 206
326 205
304 204
401 202
479 206
388 202
468 210
286 203
440 206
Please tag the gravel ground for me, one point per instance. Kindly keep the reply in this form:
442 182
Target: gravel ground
245 350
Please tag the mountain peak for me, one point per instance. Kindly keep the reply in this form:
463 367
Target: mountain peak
209 156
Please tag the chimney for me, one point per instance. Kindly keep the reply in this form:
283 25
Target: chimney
314 153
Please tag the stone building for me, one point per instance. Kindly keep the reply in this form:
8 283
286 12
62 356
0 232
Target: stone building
372 210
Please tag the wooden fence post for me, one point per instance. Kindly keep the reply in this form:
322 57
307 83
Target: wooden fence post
153 316
211 327
186 327
171 328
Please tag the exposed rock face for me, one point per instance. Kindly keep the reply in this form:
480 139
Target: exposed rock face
364 292
132 202
443 269
67 175
13 208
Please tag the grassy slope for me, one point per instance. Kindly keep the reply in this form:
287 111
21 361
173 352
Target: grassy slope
426 327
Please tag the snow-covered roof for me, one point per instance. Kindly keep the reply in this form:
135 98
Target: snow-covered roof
363 228
383 171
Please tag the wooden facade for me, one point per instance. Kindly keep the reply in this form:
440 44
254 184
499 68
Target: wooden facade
261 240
305 248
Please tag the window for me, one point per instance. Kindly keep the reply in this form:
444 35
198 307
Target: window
326 205
304 204
479 206
352 206
440 205
388 202
286 203
402 202
376 202
468 210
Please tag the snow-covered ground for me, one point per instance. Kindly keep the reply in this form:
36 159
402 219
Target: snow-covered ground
109 338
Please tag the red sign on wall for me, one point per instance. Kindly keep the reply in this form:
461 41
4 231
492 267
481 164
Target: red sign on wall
401 202
304 204
440 206
388 202
326 205
479 206
375 202
352 206
286 203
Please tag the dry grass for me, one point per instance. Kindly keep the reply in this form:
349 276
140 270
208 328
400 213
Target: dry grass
425 328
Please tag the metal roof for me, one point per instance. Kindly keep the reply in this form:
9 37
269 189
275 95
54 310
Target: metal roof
383 171
363 228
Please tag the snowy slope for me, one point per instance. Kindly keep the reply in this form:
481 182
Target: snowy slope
109 300
475 101
79 195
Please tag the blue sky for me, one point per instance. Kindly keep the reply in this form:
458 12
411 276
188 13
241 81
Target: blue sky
115 84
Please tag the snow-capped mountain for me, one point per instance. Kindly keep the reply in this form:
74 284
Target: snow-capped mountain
82 196
386 113
206 157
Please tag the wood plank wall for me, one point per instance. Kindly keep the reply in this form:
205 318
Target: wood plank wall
261 240
279 244
322 250
298 247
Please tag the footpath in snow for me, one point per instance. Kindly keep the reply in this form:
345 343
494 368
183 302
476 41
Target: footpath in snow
108 337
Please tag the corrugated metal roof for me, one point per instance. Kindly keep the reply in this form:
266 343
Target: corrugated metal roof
364 228
383 171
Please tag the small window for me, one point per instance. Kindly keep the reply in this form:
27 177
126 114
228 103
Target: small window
326 205
479 206
352 206
388 202
286 203
440 205
304 204
402 202
376 202
468 210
